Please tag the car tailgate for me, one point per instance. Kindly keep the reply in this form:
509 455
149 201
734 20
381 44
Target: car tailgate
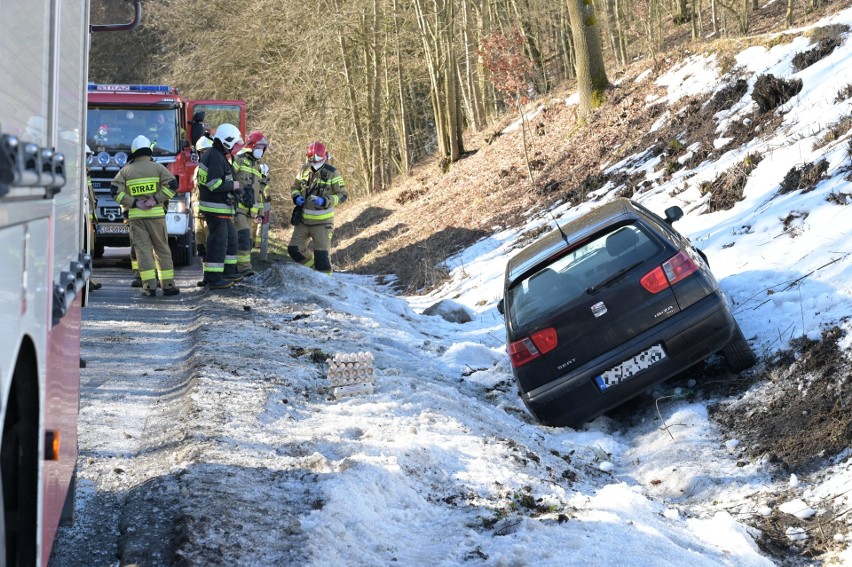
598 322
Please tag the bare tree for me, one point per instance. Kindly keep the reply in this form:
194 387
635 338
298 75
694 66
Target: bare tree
591 72
437 21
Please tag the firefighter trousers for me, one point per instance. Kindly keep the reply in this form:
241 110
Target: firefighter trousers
243 224
221 260
150 240
319 238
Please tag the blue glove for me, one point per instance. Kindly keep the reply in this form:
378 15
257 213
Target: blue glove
299 200
318 201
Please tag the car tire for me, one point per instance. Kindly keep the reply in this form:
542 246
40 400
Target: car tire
738 353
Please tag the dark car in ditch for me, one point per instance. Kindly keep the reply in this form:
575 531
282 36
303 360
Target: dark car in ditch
606 306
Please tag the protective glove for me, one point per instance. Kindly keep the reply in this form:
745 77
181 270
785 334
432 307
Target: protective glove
318 201
264 169
298 200
258 220
146 203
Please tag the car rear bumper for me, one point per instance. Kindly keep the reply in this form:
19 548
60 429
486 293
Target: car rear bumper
688 338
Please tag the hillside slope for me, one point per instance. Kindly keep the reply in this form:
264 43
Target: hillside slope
412 229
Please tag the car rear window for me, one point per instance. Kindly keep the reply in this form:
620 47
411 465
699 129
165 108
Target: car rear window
553 286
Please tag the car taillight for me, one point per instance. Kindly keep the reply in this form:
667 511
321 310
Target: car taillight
669 273
532 347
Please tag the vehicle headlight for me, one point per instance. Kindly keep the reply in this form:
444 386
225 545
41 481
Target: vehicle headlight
121 159
178 204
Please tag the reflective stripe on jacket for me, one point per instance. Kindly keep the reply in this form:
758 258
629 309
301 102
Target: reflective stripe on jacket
215 182
140 179
247 172
326 182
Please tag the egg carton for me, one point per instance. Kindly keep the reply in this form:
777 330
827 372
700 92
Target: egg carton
351 374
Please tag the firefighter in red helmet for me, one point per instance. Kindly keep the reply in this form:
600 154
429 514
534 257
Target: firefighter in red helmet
249 212
317 190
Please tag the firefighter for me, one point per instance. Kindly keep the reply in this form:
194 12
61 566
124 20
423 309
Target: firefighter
250 206
216 202
142 186
204 143
93 217
318 188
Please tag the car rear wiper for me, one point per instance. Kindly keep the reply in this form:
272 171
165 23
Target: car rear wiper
612 279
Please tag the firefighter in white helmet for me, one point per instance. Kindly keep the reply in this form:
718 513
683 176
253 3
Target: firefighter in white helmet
217 200
142 186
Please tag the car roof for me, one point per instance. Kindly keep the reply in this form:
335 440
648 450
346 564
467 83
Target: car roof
575 230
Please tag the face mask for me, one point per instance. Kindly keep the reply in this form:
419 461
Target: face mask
257 153
316 164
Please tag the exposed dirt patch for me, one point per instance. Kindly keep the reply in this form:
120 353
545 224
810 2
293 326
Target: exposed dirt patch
770 92
823 49
804 178
798 418
727 189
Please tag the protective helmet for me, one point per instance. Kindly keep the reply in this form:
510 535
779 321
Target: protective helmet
256 139
88 150
228 135
140 142
316 152
203 143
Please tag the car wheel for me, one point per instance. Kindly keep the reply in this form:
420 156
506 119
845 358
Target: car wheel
738 353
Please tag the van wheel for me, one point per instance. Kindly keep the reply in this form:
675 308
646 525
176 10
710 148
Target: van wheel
738 353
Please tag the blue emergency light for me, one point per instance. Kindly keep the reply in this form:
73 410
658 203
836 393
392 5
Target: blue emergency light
93 87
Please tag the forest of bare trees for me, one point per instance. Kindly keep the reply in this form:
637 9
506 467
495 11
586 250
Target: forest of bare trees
389 83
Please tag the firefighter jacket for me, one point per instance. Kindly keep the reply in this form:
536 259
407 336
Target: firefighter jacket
326 182
196 191
139 179
215 183
247 172
93 202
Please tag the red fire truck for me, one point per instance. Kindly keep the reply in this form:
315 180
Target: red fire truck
43 227
116 115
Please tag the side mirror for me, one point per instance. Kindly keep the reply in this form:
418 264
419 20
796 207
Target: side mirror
500 307
673 214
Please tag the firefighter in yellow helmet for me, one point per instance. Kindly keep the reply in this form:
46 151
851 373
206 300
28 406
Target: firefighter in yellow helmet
247 172
141 187
318 188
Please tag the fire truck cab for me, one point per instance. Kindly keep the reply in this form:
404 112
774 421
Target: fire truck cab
116 115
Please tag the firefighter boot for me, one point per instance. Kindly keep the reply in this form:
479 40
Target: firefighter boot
231 274
149 288
218 283
169 288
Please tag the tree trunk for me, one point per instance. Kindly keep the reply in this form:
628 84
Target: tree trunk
354 112
591 72
566 44
436 32
402 123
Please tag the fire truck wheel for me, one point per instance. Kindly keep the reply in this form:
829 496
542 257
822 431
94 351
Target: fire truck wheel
19 465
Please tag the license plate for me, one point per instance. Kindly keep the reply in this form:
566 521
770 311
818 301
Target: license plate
631 367
113 229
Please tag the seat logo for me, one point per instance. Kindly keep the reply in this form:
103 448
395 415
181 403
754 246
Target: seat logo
598 309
